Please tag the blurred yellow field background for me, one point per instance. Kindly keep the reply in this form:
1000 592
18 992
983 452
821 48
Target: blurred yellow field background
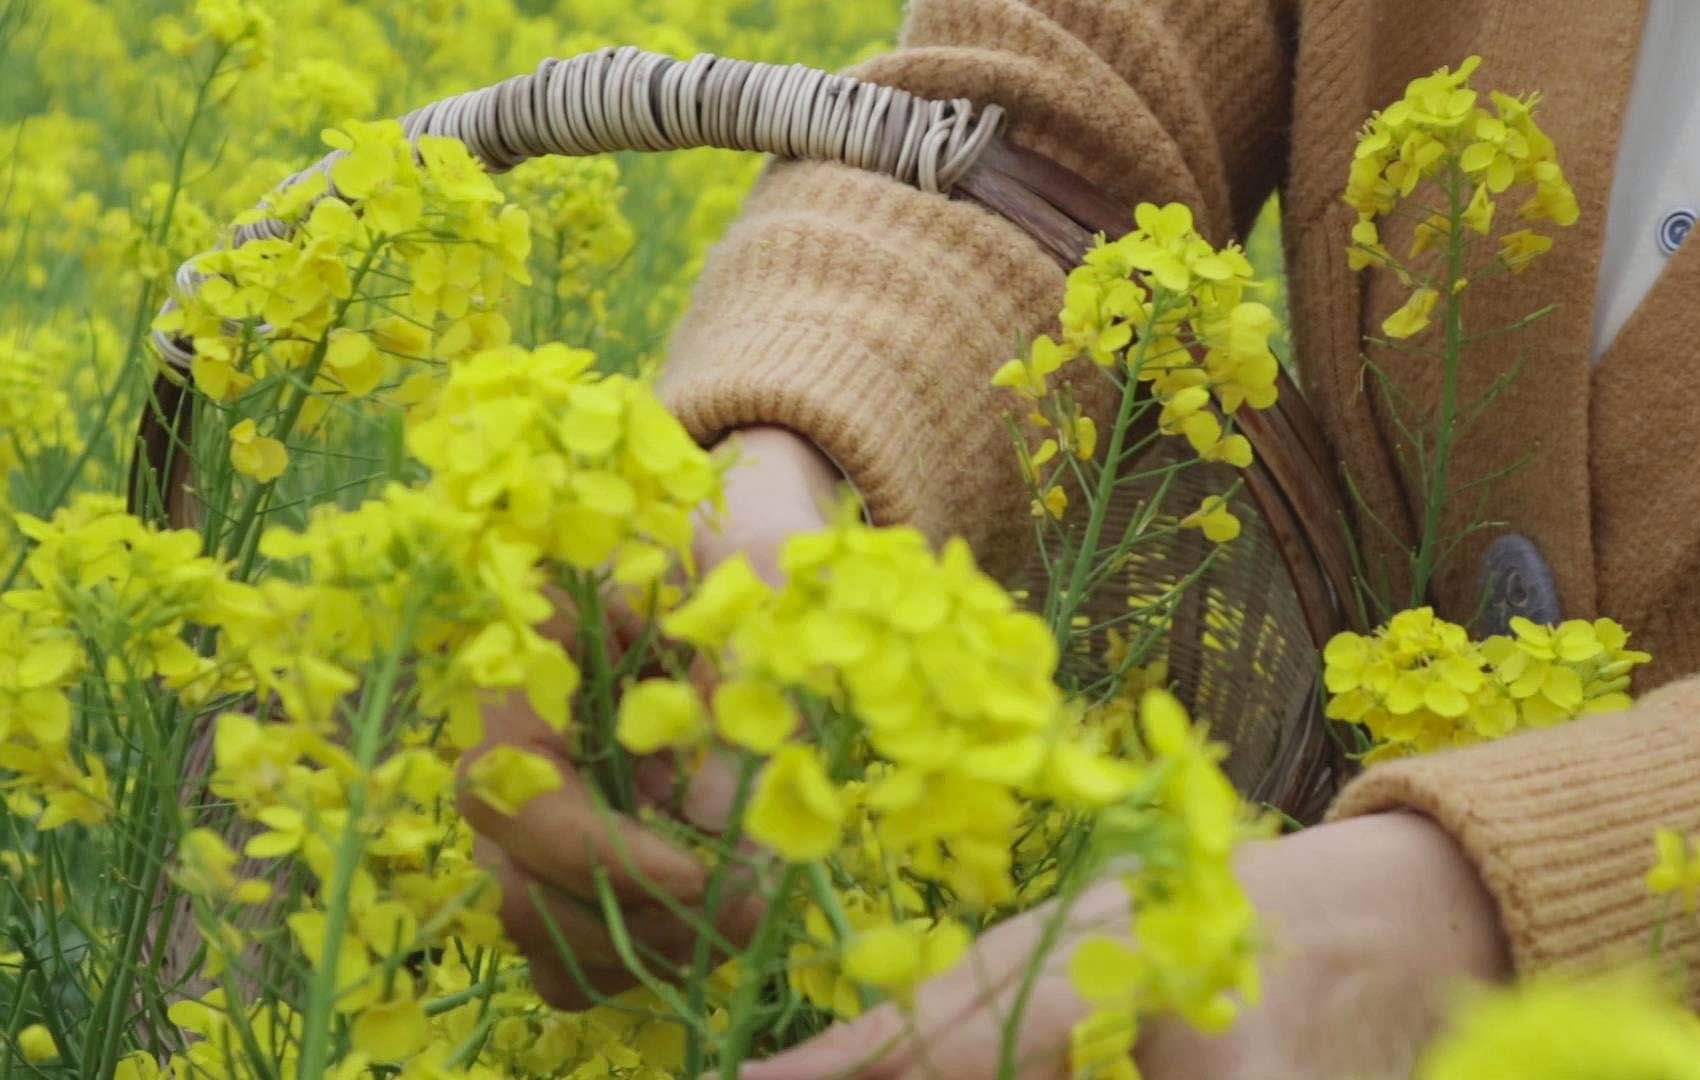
118 163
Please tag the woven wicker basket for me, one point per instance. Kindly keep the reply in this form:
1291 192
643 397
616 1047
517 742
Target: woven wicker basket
1243 650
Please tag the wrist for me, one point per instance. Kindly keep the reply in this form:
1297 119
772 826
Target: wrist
779 484
776 464
1456 924
1389 888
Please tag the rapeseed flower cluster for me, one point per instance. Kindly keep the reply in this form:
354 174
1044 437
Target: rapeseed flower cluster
914 674
135 134
1441 159
582 469
1419 683
962 765
1172 324
1438 132
950 680
101 596
1159 306
432 226
351 807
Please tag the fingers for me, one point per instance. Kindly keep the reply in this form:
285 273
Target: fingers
550 855
594 967
973 1048
711 792
562 838
573 955
870 1047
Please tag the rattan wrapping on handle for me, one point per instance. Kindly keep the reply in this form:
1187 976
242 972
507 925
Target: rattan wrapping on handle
628 99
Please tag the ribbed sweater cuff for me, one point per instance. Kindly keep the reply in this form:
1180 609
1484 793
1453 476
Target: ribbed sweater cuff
1559 823
819 385
869 317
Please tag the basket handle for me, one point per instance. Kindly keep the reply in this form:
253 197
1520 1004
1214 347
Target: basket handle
625 98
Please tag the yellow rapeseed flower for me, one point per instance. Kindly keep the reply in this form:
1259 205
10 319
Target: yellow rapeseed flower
256 455
1520 247
507 777
391 1030
1677 869
354 362
206 868
1101 1046
1054 502
1436 130
37 1044
896 957
1028 377
754 714
1214 519
797 810
1412 317
661 714
715 609
1420 684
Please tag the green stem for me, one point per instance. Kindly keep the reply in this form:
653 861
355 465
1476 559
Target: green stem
450 1002
49 1005
368 741
767 940
614 772
245 537
1424 562
1008 1041
15 1020
1087 555
177 167
147 868
614 921
713 896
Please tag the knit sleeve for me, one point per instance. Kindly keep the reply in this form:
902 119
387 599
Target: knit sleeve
1560 825
869 317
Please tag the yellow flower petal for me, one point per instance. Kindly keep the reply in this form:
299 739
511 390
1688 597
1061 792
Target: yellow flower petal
255 455
507 777
1105 971
37 1044
391 1030
754 714
657 714
1413 317
796 810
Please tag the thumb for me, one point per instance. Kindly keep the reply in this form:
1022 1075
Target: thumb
702 794
871 1047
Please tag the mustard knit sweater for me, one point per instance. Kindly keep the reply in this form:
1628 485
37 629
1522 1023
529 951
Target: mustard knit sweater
869 317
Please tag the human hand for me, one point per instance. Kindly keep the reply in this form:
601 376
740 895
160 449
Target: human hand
546 857
1372 922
